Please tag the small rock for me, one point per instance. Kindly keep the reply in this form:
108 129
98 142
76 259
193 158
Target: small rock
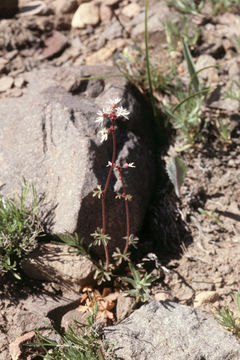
210 74
71 316
53 262
11 54
8 8
19 82
101 55
233 68
162 296
205 297
125 305
110 2
15 92
105 13
231 105
54 45
6 82
111 32
66 6
95 87
3 63
24 321
86 14
35 8
131 10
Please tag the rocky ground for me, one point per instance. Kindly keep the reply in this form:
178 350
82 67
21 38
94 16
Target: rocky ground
196 237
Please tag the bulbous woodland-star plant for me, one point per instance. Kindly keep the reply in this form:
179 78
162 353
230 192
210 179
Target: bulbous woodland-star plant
110 114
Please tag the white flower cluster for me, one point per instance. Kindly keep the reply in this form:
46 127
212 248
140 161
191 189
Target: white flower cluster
109 112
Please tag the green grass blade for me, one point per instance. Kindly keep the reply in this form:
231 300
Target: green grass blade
191 67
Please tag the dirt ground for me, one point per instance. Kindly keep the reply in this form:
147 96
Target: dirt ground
196 237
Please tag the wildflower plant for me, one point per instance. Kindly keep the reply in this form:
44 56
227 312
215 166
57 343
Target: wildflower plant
101 238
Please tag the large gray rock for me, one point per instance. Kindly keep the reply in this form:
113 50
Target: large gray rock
169 331
49 136
8 8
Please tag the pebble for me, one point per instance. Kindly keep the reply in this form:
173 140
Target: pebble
11 55
15 92
101 55
205 297
86 14
163 296
19 82
110 2
54 45
3 63
210 74
35 8
105 13
131 10
6 82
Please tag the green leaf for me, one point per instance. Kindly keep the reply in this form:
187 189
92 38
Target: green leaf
176 170
129 280
191 67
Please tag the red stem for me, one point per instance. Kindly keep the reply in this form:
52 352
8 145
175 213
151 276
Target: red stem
105 191
101 353
127 213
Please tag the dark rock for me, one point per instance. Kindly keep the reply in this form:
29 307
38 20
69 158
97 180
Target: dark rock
50 137
160 331
8 8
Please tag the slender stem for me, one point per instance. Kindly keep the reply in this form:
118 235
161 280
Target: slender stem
101 353
127 213
148 64
105 192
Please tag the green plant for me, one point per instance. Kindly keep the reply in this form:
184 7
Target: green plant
219 6
233 92
210 216
74 242
178 29
20 226
79 342
228 319
140 284
176 170
224 131
187 6
186 115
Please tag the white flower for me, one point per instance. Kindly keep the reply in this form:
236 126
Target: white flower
102 114
114 101
131 165
122 112
126 165
104 134
109 164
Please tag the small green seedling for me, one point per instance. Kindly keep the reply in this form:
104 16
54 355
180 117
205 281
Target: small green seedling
210 216
228 319
140 284
224 132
